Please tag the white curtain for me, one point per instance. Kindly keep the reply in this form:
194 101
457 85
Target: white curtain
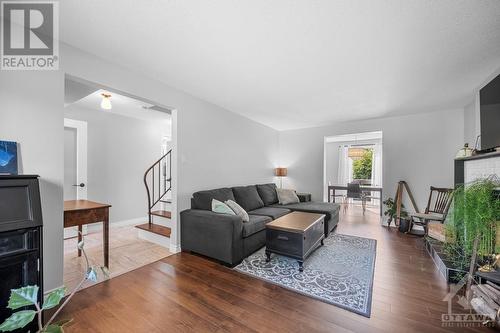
377 166
345 166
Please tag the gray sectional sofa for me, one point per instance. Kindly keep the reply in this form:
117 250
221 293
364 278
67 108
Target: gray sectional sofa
226 237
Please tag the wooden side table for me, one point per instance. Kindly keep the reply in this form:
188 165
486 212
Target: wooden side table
80 212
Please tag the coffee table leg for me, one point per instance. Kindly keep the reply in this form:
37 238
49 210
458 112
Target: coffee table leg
268 256
301 265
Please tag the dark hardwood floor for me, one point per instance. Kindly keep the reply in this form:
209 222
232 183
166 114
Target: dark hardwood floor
186 293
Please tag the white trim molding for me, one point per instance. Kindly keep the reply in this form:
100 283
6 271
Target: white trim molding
81 151
174 248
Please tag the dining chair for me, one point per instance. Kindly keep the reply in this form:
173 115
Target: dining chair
437 208
354 191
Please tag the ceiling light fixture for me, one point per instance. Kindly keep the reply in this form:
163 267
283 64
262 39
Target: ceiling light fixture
106 101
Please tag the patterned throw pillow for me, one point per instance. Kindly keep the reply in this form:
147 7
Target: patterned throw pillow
238 210
286 197
220 207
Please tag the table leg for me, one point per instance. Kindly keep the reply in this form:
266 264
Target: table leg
268 256
301 265
106 237
79 239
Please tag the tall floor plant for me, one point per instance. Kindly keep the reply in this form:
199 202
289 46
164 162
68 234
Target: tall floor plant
475 213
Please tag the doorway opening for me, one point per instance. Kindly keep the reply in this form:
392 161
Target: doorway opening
353 170
111 140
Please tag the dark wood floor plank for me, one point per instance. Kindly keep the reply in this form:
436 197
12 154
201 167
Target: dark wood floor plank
189 293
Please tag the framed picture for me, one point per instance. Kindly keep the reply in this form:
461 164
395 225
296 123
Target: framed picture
8 158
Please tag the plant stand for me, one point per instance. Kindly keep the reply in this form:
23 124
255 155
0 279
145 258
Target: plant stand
448 270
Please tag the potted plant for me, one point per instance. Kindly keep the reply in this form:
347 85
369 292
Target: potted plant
391 210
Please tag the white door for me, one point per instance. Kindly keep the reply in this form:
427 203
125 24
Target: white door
75 164
70 160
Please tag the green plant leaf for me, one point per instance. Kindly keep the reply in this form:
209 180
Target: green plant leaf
53 328
17 320
23 297
54 298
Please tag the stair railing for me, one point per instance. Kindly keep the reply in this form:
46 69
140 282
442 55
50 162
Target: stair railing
160 175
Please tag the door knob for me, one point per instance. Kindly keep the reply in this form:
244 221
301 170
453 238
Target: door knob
79 185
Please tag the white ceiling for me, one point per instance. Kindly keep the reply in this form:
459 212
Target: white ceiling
123 106
291 64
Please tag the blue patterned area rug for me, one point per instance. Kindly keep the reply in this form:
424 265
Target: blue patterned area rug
339 273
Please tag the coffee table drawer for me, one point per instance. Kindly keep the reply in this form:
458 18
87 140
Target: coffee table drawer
284 242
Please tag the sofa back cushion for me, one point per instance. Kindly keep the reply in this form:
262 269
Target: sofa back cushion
248 197
203 199
268 193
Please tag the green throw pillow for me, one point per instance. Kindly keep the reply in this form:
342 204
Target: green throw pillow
222 208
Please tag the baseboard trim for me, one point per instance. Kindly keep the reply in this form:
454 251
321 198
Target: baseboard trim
125 223
175 248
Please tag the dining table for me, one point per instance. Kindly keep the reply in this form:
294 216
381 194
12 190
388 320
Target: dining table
332 189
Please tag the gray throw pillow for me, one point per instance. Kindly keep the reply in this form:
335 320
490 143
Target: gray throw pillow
286 197
247 197
238 210
267 193
222 208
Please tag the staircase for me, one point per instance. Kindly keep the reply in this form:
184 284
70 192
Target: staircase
158 182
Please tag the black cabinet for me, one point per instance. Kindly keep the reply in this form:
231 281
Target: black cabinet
20 239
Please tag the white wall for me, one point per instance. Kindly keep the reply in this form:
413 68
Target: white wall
31 113
470 115
332 161
417 148
120 149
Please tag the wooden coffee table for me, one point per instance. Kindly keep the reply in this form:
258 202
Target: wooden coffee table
295 235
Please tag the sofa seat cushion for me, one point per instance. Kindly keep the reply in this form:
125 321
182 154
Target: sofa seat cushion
255 224
268 193
203 199
272 212
248 197
328 208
